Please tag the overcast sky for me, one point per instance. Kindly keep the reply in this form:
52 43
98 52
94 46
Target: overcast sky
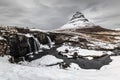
52 14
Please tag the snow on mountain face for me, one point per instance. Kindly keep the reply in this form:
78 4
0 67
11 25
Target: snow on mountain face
117 29
78 21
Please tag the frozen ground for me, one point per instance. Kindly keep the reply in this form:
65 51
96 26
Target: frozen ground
82 52
10 71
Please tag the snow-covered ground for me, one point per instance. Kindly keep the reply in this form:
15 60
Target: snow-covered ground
10 71
45 60
103 45
82 52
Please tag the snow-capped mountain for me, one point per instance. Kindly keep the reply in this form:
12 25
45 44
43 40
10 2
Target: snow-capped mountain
78 20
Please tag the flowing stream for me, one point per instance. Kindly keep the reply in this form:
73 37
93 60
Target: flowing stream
50 42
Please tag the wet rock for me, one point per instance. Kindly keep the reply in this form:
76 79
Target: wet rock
3 47
66 50
18 44
75 55
64 65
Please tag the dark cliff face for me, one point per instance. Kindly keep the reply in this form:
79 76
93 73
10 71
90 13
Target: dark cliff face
3 47
18 45
42 36
20 42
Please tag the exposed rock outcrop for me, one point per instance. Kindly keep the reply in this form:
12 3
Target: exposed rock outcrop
21 42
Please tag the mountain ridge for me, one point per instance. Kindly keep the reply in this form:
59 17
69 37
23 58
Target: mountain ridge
78 20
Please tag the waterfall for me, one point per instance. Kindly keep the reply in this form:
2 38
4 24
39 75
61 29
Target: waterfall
29 45
36 44
50 42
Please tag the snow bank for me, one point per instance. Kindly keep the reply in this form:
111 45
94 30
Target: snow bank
82 52
19 72
45 60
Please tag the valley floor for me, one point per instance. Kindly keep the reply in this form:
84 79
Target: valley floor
34 71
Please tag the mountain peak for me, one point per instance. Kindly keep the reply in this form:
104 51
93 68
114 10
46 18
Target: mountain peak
79 15
78 20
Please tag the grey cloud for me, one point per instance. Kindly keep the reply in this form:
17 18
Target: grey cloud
46 14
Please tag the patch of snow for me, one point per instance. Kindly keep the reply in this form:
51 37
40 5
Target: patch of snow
1 38
113 65
28 35
44 46
45 60
90 58
31 56
75 38
104 45
118 37
82 52
4 59
117 29
78 24
38 30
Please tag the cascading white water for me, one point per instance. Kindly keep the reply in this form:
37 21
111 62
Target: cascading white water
50 42
36 44
29 45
